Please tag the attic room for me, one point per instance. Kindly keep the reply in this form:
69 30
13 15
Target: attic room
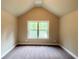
39 29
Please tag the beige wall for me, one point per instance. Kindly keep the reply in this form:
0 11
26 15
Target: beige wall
8 31
38 14
69 32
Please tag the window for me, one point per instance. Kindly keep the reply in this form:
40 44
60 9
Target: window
38 29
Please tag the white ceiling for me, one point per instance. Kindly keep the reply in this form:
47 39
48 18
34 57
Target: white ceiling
58 7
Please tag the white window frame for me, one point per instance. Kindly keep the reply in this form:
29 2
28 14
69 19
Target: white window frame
37 37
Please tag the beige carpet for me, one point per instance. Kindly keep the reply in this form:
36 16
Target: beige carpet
38 52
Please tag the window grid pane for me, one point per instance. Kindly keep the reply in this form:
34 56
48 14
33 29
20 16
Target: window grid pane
43 29
32 34
32 30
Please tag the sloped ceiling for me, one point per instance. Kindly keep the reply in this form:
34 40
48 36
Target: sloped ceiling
58 7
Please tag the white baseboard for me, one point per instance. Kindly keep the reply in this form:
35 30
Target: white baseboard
69 52
37 43
8 51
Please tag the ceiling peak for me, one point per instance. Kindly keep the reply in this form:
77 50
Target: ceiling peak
38 3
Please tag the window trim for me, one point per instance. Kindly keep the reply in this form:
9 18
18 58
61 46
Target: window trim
38 37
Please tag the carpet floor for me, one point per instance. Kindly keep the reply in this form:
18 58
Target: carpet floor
38 52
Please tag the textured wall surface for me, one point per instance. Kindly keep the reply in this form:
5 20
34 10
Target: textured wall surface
40 14
8 31
69 32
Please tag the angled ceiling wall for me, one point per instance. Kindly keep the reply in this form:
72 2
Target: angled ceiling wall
58 7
